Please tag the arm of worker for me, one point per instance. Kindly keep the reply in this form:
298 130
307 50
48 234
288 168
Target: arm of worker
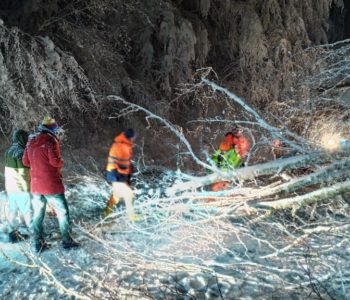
25 158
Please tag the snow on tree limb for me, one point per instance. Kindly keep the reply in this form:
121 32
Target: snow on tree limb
309 198
274 131
250 172
335 171
167 124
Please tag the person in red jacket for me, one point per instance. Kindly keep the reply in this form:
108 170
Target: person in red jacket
119 170
241 143
42 155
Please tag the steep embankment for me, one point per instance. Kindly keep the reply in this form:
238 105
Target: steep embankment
179 249
144 51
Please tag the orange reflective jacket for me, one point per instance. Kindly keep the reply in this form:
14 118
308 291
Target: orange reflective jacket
120 155
241 144
227 144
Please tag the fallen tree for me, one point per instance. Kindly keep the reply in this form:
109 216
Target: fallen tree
309 198
335 171
244 244
251 172
327 168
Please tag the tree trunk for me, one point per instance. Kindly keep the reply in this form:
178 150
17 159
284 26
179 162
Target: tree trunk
249 173
309 198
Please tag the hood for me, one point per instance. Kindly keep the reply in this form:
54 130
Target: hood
20 137
41 138
121 138
44 129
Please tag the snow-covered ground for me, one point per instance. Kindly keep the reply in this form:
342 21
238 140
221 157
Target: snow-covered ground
179 250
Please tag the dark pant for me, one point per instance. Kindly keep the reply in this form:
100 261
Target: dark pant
59 204
115 176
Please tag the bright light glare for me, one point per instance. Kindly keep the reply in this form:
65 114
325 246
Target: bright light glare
331 141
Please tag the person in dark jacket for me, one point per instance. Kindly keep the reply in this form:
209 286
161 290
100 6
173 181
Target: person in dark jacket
43 156
17 185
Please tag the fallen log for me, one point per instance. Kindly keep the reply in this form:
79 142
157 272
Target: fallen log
334 172
251 172
309 198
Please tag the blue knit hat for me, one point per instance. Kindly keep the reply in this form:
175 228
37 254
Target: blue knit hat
129 133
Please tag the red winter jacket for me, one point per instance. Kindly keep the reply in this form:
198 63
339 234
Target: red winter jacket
43 156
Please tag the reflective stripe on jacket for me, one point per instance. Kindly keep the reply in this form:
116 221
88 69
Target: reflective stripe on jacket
120 155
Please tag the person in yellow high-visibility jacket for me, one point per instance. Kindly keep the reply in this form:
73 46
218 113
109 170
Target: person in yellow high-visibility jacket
226 158
119 170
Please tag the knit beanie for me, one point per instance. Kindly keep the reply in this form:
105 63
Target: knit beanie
129 133
50 123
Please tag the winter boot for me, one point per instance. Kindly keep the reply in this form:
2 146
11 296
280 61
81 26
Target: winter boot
107 211
70 245
110 204
41 246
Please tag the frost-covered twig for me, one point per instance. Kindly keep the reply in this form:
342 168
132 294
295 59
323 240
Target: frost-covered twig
168 125
274 131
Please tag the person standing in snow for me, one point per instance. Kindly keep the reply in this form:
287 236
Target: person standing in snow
43 156
17 185
119 169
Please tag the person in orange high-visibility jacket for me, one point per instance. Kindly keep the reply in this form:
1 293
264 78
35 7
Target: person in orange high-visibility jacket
241 143
119 169
225 158
228 143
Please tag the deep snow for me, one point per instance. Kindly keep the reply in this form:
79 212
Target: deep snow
177 251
